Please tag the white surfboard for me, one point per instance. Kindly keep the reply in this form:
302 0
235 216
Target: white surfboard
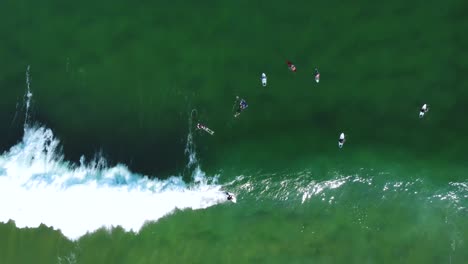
424 110
234 200
342 140
209 131
264 79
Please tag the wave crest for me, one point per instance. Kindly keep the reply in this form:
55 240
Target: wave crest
38 186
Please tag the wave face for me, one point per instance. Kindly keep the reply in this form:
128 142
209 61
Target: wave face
38 186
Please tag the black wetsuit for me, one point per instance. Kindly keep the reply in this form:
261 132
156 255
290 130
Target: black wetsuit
241 105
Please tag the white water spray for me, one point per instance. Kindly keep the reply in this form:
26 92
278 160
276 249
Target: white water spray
38 186
190 145
28 96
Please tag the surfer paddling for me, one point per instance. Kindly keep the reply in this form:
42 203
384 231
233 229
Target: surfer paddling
423 111
317 75
264 79
341 140
207 130
241 106
291 66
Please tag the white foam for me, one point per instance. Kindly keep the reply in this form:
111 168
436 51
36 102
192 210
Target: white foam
38 186
28 96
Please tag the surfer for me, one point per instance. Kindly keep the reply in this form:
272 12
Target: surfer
291 66
241 106
231 197
209 131
264 79
317 75
342 140
424 110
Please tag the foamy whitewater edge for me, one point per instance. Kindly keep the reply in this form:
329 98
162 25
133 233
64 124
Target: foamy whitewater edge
37 186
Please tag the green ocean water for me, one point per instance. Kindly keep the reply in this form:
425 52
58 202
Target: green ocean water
361 216
122 79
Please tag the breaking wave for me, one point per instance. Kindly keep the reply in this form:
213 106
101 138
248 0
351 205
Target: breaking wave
38 186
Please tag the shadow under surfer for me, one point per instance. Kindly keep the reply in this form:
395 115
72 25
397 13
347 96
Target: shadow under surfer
240 105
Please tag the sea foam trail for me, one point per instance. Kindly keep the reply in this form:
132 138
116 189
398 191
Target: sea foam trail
38 186
302 187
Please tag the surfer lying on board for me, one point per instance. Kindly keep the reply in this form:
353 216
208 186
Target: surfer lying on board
424 110
291 66
342 140
229 196
209 131
241 106
317 75
264 79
